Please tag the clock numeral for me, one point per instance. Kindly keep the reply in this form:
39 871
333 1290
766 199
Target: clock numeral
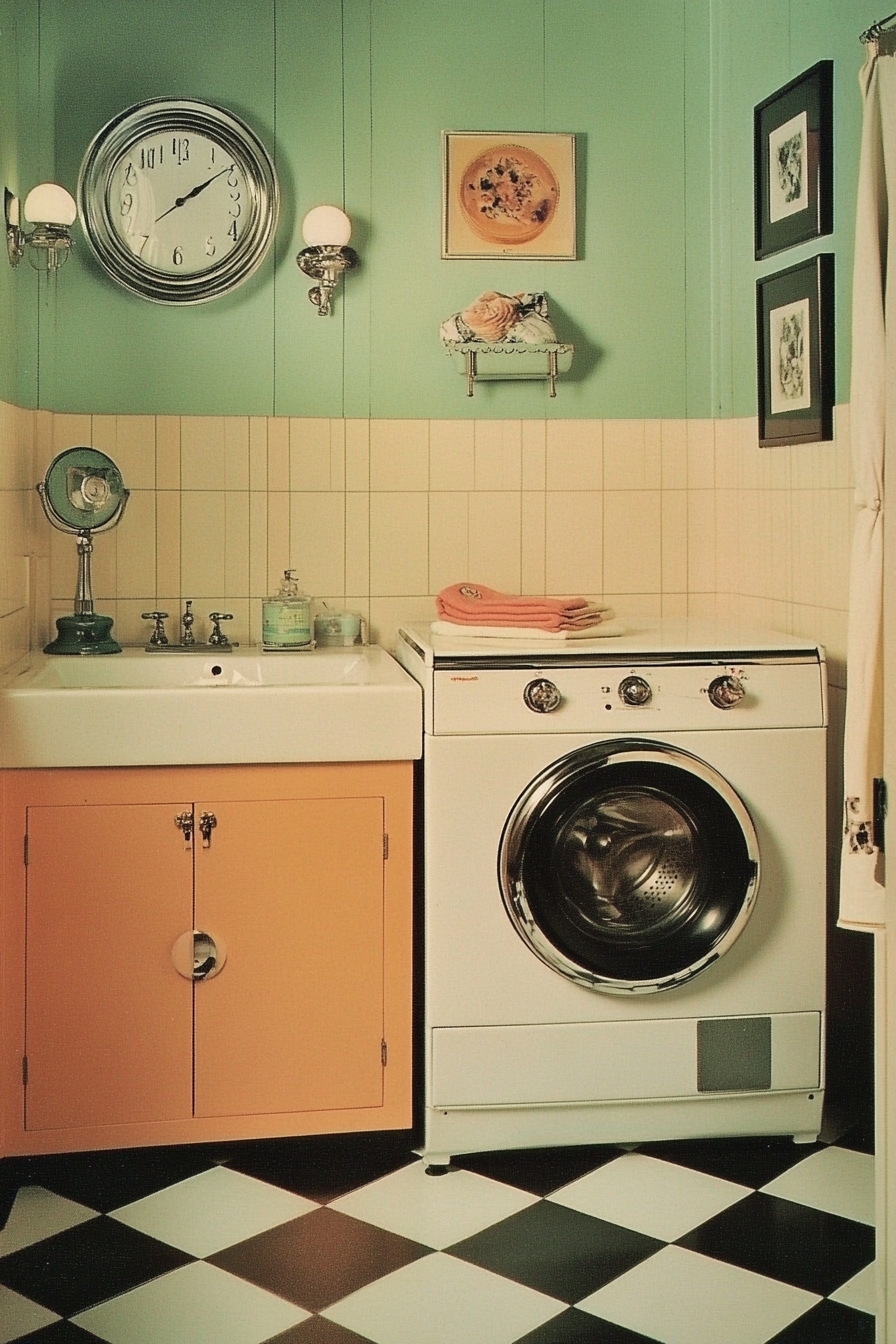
236 209
233 177
210 247
177 257
139 242
232 229
127 203
180 148
130 175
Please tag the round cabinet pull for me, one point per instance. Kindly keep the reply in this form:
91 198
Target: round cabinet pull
726 692
542 696
196 955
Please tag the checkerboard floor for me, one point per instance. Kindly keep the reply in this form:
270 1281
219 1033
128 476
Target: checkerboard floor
347 1239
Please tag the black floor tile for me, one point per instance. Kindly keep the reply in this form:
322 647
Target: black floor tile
829 1323
107 1180
752 1162
784 1240
578 1327
860 1138
318 1330
87 1264
319 1258
323 1168
558 1251
60 1332
540 1171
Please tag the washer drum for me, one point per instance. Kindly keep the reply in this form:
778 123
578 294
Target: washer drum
629 867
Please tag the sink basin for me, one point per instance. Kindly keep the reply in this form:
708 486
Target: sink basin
136 708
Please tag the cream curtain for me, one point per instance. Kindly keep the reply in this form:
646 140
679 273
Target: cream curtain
873 419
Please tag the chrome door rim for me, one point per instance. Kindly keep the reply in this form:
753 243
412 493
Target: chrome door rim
732 909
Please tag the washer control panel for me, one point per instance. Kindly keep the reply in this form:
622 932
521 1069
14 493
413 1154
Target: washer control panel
628 699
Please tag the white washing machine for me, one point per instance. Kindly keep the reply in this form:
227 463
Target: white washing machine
624 887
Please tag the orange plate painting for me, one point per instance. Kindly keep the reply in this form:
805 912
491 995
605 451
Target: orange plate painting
509 196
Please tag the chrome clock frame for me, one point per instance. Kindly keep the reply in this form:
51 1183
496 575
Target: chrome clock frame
161 116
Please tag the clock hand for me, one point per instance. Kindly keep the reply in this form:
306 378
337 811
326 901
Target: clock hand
182 200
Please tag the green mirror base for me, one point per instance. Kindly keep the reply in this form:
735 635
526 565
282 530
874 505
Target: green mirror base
82 635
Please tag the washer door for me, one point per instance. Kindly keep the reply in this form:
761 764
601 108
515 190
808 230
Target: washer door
629 866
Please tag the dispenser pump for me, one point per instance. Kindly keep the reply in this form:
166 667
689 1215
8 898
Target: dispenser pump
286 618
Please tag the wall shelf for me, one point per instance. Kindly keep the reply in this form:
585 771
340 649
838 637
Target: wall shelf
483 362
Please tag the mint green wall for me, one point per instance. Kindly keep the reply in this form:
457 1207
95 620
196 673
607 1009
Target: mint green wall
351 96
758 47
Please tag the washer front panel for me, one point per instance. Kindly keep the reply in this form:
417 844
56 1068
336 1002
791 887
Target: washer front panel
629 868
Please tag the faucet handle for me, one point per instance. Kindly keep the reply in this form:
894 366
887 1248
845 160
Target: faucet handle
217 639
158 635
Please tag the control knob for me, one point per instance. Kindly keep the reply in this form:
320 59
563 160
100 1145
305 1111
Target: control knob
542 696
726 692
634 691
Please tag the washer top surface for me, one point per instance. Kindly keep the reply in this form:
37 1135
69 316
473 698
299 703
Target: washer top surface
639 638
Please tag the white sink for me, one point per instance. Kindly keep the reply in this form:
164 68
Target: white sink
138 708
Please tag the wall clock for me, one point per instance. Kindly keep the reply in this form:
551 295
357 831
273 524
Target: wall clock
178 200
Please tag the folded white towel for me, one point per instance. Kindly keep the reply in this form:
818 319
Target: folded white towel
516 634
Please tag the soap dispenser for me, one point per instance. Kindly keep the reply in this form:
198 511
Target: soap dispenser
286 618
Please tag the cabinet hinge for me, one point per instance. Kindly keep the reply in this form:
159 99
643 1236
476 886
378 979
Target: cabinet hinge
384 1052
385 845
24 1070
25 850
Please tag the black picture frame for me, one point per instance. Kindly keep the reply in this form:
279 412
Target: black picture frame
795 353
793 162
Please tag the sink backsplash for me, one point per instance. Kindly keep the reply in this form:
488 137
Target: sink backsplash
671 516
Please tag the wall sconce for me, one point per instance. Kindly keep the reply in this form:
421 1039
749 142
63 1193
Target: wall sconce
326 229
51 210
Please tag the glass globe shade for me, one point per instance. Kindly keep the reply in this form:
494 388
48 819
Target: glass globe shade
49 204
326 225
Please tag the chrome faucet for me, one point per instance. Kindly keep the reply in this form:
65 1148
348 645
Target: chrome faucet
217 639
158 636
187 622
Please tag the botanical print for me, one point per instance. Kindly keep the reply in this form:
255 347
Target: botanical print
790 358
788 185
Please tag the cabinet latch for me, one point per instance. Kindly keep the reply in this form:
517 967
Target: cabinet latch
184 822
207 823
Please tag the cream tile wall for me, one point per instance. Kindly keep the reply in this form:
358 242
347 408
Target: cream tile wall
670 517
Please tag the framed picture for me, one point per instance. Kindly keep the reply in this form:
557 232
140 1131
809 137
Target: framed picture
795 349
509 194
792 153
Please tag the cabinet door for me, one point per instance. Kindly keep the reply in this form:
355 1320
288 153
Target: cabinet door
294 1020
108 1021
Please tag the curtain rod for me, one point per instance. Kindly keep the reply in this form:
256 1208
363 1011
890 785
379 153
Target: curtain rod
874 32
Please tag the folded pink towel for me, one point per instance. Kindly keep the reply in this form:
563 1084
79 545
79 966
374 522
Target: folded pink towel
474 604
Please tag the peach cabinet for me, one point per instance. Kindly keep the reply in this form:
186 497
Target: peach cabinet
190 954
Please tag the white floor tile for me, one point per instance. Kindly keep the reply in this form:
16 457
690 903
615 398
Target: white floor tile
434 1210
215 1209
198 1304
679 1297
440 1300
38 1213
20 1316
860 1291
836 1180
650 1196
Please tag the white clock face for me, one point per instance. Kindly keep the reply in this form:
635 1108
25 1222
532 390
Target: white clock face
179 202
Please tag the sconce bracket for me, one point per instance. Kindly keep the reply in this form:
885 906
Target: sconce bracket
325 264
